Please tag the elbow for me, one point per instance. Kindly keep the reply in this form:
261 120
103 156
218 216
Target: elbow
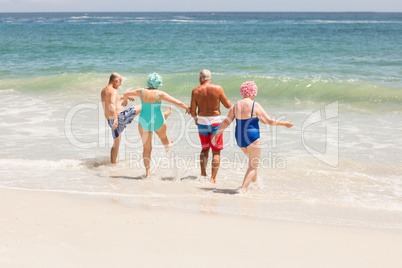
268 122
272 122
226 122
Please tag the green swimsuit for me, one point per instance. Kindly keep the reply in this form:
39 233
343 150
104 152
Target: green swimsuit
151 117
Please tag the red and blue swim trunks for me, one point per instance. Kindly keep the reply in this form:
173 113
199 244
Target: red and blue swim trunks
207 128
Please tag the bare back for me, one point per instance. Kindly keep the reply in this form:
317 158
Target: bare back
109 99
207 98
243 108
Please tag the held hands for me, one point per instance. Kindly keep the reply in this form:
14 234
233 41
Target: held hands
125 102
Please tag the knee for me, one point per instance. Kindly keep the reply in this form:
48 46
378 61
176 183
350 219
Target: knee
205 152
116 143
163 136
216 153
253 166
147 150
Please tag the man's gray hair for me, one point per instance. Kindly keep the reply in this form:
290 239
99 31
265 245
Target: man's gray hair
113 77
205 75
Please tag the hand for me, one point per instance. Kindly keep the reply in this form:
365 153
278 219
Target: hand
288 124
188 110
131 98
213 141
196 121
124 103
115 124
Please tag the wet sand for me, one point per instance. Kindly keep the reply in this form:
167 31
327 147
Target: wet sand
42 229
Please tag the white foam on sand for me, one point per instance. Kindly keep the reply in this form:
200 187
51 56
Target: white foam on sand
40 164
6 91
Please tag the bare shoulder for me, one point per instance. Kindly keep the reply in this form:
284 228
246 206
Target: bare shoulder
196 90
108 89
217 88
258 107
105 91
163 94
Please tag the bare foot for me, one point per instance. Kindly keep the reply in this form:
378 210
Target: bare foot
167 113
242 192
203 179
259 184
169 146
213 180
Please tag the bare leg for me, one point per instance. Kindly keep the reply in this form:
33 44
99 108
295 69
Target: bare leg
253 152
204 161
216 160
115 149
116 142
163 136
167 113
146 138
137 109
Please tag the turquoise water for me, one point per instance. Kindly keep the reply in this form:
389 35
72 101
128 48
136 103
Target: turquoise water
363 46
337 76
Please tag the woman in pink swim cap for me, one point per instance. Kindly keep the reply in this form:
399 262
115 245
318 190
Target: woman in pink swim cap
248 113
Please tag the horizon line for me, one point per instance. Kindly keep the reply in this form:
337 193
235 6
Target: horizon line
2 12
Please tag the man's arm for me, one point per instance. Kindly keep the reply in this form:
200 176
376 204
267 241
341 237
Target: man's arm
193 108
112 107
224 100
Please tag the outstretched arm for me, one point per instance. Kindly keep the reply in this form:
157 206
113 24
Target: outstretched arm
121 97
228 120
265 119
130 95
166 97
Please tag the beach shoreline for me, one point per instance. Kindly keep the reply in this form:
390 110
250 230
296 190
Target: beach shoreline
44 229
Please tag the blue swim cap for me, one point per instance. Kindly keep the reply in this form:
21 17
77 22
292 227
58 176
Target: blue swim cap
154 80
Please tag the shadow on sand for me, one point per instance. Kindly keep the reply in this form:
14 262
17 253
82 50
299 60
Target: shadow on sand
184 178
162 179
221 191
128 177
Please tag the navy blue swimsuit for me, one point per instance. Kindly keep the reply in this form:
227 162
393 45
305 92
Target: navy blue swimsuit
247 130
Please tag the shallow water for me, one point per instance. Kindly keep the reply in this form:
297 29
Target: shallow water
336 76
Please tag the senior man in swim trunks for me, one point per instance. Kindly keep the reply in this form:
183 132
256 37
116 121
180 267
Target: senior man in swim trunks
205 109
116 116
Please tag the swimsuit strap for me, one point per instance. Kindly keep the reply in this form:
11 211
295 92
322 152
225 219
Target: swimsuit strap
142 93
157 96
252 109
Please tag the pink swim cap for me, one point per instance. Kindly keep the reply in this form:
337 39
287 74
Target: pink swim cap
248 88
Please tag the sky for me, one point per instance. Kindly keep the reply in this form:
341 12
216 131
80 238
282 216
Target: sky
203 5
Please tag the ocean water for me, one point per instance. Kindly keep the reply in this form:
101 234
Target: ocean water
337 76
